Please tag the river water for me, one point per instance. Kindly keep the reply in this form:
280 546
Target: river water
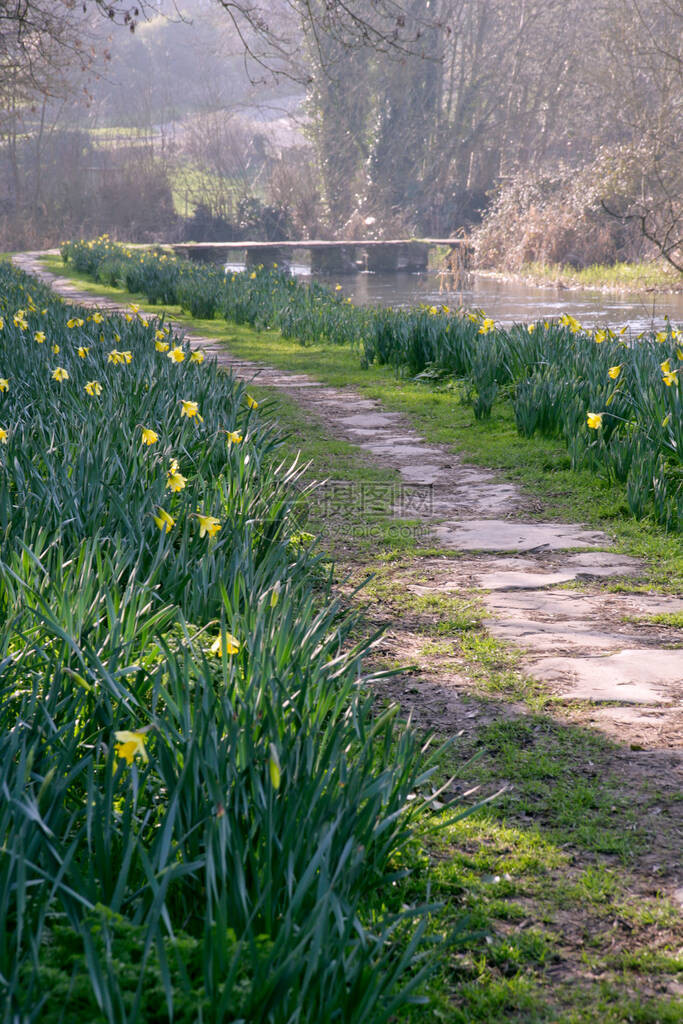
506 302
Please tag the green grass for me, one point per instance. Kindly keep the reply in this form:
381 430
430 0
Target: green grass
188 181
626 277
673 619
547 874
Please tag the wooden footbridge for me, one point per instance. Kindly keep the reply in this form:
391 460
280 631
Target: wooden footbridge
332 257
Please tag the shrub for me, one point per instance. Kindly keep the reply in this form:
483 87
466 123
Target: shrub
554 217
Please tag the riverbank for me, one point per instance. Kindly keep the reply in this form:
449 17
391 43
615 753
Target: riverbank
618 279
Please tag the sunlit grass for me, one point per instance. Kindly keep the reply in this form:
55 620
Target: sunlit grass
656 274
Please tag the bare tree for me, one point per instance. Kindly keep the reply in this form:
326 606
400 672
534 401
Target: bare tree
641 83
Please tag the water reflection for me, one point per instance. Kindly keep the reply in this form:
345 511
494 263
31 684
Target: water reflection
505 301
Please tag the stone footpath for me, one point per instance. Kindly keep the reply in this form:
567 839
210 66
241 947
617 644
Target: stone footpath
585 644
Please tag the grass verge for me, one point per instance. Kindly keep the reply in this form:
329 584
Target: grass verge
619 277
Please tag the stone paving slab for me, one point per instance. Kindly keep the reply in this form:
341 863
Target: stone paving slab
402 448
523 579
425 475
567 635
645 676
514 535
491 498
568 604
365 421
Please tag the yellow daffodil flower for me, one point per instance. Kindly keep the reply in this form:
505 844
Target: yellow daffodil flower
20 321
135 309
234 437
337 287
232 645
208 525
599 337
4 384
175 481
567 320
176 355
75 321
164 521
251 402
189 409
679 354
97 318
614 371
161 346
594 420
487 325
149 436
93 387
661 337
128 744
252 275
39 337
2 323
3 436
670 378
83 351
60 374
665 367
197 357
55 349
118 358
531 328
